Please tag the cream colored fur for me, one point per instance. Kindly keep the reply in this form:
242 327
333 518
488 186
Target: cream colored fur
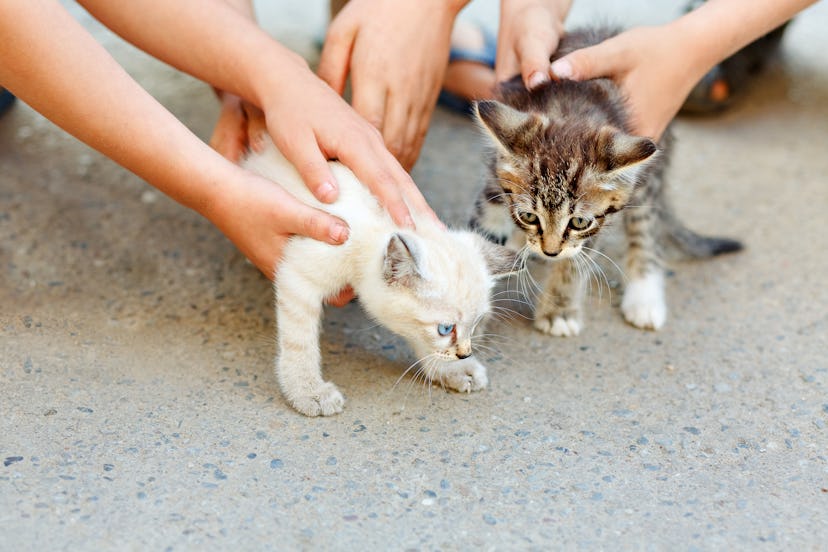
410 281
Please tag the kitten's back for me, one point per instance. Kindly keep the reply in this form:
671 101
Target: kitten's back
597 101
355 203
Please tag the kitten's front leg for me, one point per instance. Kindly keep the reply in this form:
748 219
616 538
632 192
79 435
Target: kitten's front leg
644 304
463 375
558 311
298 370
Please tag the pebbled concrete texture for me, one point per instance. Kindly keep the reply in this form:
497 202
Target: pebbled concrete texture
138 409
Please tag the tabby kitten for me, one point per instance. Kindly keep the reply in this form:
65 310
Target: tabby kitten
430 285
565 163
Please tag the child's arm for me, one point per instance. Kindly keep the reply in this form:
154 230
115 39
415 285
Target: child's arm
49 61
658 66
308 121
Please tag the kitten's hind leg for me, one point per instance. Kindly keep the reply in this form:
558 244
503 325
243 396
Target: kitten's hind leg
464 376
558 310
644 304
298 370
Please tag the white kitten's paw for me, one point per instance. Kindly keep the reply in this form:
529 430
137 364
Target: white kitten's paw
326 400
559 326
644 305
469 376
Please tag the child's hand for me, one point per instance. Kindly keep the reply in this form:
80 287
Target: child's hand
396 54
528 35
310 124
259 217
651 67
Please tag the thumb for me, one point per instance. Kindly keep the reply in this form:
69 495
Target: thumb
592 62
335 60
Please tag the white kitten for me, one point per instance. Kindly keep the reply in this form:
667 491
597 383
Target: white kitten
429 285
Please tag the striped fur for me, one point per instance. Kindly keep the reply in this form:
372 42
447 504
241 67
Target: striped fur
565 164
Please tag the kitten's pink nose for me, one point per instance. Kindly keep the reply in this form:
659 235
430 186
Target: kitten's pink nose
461 356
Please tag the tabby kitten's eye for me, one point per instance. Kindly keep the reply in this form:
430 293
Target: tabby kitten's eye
445 329
527 218
580 223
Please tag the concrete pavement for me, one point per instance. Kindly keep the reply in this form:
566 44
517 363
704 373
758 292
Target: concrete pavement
138 408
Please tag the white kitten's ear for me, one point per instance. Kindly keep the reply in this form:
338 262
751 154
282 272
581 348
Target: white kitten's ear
401 265
501 261
512 130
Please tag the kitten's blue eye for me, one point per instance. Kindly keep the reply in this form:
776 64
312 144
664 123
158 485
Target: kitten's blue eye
579 223
445 329
527 218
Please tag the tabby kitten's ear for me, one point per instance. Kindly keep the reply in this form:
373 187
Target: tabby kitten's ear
401 265
501 261
625 155
512 130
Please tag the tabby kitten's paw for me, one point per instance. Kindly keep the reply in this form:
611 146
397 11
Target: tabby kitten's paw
326 400
464 376
644 305
558 325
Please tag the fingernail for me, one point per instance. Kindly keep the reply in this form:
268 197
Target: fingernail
409 222
562 68
339 233
326 192
537 79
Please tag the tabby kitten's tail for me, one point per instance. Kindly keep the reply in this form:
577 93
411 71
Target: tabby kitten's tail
694 245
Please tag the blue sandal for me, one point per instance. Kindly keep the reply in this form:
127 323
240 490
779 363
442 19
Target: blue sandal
6 100
484 56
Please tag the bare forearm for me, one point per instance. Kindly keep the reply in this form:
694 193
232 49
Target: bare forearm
49 61
53 64
244 7
718 28
225 47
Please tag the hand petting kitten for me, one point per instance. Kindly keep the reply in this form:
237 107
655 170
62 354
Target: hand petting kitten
396 55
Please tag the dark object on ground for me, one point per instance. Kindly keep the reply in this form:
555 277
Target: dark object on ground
716 90
6 100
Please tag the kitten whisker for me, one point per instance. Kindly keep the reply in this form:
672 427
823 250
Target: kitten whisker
367 328
618 268
584 274
489 351
514 297
488 336
597 274
504 314
410 367
531 287
509 304
508 315
421 376
501 195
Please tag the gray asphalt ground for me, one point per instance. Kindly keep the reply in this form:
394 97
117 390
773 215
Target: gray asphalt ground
139 411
